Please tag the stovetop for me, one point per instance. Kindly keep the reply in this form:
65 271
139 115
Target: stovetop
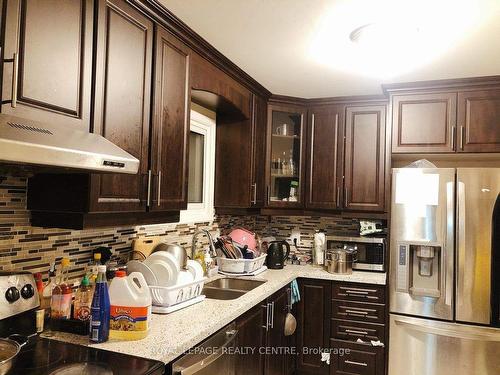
42 356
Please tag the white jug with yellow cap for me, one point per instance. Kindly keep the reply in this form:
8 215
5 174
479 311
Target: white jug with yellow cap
130 313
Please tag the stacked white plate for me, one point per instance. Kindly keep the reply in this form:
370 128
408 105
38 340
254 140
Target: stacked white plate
162 269
172 288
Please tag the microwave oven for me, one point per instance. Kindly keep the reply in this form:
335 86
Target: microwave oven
371 251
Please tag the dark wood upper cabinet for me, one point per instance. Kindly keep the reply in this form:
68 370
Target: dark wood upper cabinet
207 77
324 152
259 126
169 151
122 113
240 139
364 182
424 123
122 101
286 147
48 48
313 325
240 160
233 168
479 121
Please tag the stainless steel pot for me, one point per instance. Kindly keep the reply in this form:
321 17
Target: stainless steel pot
340 260
9 349
176 250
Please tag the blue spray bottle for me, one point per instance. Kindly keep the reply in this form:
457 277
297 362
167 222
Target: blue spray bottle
99 323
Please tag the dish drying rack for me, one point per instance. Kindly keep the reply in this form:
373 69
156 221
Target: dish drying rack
167 299
241 266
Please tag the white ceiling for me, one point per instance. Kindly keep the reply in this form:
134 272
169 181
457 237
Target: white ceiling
274 41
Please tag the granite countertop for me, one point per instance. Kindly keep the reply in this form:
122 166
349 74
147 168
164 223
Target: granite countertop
172 334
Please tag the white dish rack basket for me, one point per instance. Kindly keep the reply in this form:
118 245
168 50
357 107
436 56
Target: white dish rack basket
169 296
241 265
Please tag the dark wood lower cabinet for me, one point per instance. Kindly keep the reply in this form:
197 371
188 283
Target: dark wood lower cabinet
313 329
348 358
251 338
276 339
332 317
263 347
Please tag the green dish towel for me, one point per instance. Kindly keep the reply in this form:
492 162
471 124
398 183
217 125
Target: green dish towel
295 292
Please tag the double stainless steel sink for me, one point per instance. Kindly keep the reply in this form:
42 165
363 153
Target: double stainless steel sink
228 288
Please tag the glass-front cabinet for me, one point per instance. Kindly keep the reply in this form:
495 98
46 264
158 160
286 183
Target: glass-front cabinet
285 156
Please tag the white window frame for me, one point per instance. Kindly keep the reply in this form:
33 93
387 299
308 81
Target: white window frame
198 212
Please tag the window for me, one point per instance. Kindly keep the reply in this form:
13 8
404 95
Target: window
201 169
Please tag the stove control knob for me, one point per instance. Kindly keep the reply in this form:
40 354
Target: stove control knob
27 291
12 294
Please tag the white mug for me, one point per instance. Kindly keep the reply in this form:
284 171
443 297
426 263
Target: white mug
282 130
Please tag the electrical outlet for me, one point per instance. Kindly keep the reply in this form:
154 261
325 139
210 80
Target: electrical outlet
295 236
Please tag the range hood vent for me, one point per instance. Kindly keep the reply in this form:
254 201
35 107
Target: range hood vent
28 128
34 143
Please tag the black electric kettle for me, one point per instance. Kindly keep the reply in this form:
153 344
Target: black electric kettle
276 254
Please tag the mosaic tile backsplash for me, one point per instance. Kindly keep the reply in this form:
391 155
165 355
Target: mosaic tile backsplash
23 247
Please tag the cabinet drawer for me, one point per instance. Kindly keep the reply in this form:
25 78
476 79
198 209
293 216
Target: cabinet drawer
366 312
351 331
360 292
349 358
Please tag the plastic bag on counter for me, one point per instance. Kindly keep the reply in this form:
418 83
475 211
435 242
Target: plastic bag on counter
422 163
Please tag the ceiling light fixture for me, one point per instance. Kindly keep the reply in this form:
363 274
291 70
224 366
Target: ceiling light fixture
388 38
377 32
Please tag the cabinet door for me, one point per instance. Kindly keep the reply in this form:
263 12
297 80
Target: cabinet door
364 185
313 326
233 170
48 52
275 362
424 123
356 359
479 121
122 101
324 152
259 121
251 334
286 146
172 96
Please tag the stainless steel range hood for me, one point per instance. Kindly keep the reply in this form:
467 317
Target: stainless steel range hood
31 142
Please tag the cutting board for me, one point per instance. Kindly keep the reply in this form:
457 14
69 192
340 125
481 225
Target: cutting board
142 246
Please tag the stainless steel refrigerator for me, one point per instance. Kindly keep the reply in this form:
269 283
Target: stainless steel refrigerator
445 271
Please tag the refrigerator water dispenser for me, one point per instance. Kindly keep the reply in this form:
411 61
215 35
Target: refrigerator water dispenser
419 270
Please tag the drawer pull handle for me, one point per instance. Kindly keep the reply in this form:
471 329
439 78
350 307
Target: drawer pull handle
357 332
356 363
357 312
360 289
356 292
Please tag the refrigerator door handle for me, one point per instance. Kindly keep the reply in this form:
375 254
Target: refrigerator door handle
449 329
461 239
449 244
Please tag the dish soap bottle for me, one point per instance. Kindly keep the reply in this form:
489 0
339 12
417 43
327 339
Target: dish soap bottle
99 311
130 300
92 268
60 304
47 289
83 300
